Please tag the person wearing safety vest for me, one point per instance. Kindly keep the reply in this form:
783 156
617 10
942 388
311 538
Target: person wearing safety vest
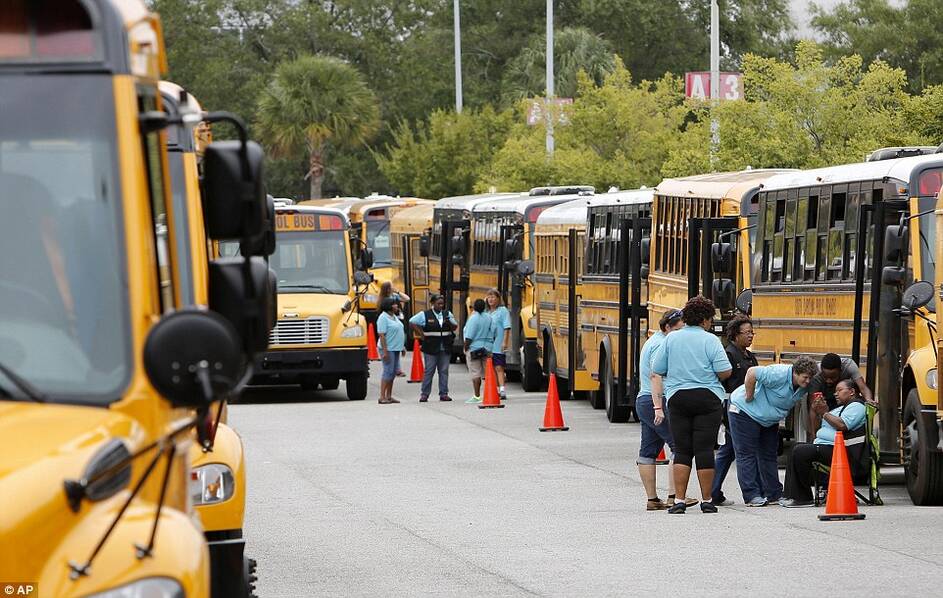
436 329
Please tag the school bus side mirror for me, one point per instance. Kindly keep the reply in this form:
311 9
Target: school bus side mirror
722 294
917 295
192 357
645 254
262 244
424 246
234 205
722 259
242 292
512 249
366 258
895 242
525 267
744 302
457 246
362 278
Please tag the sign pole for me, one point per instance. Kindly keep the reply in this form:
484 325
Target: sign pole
547 104
458 56
715 81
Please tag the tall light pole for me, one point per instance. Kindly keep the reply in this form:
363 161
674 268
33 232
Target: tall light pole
458 56
547 103
715 80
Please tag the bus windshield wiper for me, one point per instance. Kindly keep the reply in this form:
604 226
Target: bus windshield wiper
316 287
31 392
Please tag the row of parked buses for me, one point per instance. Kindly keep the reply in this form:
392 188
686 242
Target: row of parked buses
838 259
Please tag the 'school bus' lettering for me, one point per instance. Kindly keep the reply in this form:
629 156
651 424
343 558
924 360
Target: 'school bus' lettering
306 222
816 306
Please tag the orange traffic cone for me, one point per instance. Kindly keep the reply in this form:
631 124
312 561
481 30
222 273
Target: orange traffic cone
416 374
492 400
553 416
841 504
372 353
662 458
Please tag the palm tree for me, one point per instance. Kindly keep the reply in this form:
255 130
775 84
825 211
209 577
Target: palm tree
574 49
311 103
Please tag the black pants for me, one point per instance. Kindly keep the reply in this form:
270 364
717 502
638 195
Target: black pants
799 469
695 417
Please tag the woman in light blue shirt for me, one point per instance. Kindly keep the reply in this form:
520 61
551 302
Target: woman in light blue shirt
501 331
850 417
767 395
694 363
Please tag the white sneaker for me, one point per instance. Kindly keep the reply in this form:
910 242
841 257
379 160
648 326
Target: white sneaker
473 401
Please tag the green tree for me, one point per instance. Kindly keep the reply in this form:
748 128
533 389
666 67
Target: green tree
314 102
803 115
574 50
905 35
446 155
615 133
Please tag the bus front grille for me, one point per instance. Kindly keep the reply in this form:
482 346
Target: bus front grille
310 331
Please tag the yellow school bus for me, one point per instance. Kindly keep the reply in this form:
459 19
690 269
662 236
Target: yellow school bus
370 227
218 477
449 247
410 230
102 363
836 248
320 336
586 326
502 254
689 214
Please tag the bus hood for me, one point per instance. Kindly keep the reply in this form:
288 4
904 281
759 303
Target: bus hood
303 305
43 445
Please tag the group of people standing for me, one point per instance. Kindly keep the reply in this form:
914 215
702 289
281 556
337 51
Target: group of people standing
487 334
691 385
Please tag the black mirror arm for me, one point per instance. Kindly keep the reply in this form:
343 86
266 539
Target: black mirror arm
733 232
75 491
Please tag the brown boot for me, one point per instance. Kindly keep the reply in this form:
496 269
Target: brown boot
655 504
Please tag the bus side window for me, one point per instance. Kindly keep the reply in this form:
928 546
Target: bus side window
802 216
789 237
836 232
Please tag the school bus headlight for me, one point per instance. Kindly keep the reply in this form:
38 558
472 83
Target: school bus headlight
352 332
532 323
370 297
153 587
931 379
210 484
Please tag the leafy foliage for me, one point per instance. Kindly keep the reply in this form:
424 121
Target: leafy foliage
314 101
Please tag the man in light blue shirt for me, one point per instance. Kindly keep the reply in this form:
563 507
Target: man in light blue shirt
850 417
767 395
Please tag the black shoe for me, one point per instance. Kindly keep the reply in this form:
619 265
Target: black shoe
708 507
678 508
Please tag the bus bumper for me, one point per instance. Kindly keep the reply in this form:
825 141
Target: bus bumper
276 366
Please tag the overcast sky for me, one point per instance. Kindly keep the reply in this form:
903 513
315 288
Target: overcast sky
800 13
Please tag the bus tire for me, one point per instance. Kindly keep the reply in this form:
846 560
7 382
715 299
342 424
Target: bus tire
331 383
249 569
531 376
923 465
357 387
597 398
616 414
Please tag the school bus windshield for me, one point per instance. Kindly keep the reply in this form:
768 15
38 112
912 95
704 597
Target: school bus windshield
378 239
63 304
311 262
927 228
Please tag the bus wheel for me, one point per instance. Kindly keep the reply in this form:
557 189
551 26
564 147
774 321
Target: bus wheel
250 577
597 398
923 465
357 387
617 414
531 376
330 383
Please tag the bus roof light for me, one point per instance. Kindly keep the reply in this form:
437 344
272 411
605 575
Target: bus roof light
47 30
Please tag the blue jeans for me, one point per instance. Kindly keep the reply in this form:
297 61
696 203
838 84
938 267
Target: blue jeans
723 461
438 362
756 446
654 438
390 366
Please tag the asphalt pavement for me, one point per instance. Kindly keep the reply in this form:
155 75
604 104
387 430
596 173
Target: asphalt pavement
445 499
